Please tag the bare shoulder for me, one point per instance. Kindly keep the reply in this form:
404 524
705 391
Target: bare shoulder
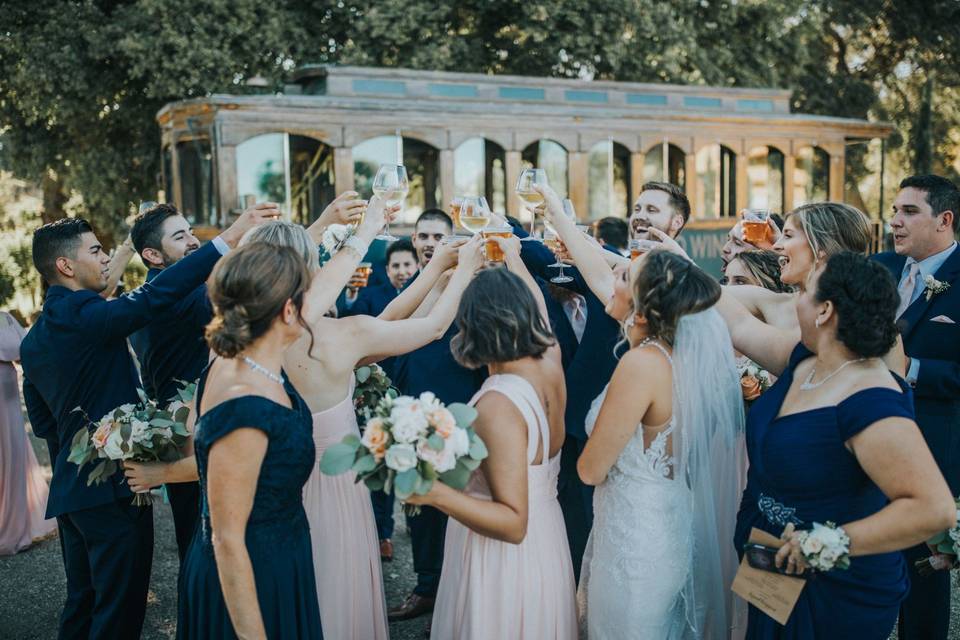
641 361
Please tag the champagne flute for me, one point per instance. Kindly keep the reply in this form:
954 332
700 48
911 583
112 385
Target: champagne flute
391 185
530 197
473 215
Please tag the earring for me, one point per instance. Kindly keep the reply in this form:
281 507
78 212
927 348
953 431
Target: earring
817 323
632 320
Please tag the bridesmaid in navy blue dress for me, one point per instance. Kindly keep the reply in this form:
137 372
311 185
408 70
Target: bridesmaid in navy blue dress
834 440
249 570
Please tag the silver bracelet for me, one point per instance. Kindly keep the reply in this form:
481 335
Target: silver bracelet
355 244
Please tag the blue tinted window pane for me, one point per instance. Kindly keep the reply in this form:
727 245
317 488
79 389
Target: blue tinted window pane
754 105
586 96
647 99
260 169
702 102
379 86
454 90
522 93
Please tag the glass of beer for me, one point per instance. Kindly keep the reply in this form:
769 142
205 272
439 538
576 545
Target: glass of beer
640 246
755 225
490 247
455 206
362 274
473 215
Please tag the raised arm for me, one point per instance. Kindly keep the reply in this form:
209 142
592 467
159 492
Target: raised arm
336 273
118 263
588 257
405 304
504 517
346 208
766 345
234 467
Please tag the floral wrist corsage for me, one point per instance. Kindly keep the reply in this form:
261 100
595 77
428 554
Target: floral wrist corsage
825 547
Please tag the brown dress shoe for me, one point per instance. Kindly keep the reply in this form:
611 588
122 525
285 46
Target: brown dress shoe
386 550
413 607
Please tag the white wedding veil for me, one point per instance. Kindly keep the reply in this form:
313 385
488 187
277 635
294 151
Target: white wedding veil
710 457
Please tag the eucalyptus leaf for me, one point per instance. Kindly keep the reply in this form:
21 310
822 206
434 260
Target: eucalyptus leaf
463 414
405 483
436 442
423 486
470 463
457 477
363 374
478 450
374 482
365 464
338 459
351 441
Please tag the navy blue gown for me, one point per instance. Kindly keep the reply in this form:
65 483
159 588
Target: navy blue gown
801 472
277 536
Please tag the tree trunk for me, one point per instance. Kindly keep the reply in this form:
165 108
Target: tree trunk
923 131
54 197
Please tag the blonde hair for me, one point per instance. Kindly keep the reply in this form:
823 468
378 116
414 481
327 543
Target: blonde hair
832 227
278 233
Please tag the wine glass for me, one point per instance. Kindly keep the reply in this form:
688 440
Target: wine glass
473 215
552 241
530 197
391 185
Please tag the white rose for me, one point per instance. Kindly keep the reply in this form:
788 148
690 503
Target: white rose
127 408
112 448
828 557
401 457
811 545
458 442
409 423
139 431
429 402
443 460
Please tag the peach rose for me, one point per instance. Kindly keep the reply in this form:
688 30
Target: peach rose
750 385
375 438
100 436
443 421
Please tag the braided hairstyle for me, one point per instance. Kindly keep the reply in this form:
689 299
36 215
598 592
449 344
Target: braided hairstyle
668 287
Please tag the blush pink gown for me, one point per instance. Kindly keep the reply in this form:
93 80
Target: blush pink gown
346 551
23 489
493 589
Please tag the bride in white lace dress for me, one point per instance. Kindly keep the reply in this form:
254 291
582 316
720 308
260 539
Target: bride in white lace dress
665 452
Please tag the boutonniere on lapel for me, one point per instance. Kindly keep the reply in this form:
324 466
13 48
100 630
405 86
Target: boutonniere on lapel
934 286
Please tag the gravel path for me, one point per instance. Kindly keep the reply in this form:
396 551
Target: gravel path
32 585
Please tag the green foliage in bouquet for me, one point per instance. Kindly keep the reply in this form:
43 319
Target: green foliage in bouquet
141 432
373 385
408 444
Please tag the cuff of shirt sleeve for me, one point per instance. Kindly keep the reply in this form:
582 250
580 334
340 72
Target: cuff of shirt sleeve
221 245
913 372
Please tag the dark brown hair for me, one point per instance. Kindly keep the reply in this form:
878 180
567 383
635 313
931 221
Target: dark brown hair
678 199
668 287
765 267
249 289
499 321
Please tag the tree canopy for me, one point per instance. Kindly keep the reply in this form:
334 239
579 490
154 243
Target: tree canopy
83 80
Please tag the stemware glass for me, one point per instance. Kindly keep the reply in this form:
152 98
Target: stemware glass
391 185
473 215
533 199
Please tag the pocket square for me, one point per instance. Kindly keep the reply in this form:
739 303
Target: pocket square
943 319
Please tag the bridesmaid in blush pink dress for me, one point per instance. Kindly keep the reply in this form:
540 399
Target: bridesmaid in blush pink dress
23 489
346 551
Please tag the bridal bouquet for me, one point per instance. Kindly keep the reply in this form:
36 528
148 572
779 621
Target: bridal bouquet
753 380
373 385
142 432
945 546
408 444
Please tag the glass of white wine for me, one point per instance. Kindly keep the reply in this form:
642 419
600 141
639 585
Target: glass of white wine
473 215
532 198
391 185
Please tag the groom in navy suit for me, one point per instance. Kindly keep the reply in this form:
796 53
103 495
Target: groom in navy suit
926 266
76 355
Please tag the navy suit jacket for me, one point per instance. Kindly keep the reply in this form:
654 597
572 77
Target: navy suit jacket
76 355
936 345
591 366
172 347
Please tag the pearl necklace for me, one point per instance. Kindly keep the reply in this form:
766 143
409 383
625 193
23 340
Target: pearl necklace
259 368
807 385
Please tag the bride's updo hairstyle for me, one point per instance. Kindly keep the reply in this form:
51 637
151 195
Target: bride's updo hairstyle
865 298
668 287
499 321
249 288
285 234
